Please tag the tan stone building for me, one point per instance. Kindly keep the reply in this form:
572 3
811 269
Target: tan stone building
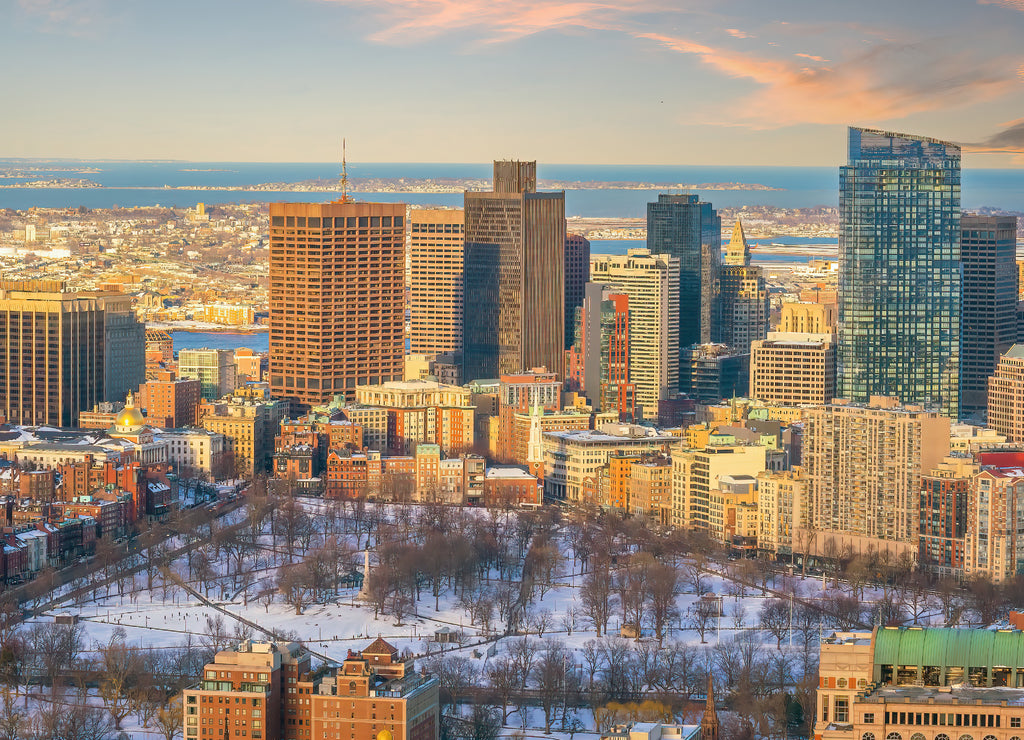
793 369
864 465
1006 395
651 282
435 280
697 473
808 318
782 522
650 488
898 683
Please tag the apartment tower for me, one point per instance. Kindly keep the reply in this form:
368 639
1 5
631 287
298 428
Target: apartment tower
597 364
988 248
899 270
864 465
436 240
650 283
514 276
792 369
337 279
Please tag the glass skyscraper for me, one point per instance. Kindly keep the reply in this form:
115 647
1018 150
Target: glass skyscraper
682 226
900 279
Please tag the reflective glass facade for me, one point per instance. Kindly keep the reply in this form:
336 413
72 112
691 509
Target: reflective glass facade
900 279
682 226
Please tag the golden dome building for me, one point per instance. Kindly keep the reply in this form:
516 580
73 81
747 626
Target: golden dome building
137 437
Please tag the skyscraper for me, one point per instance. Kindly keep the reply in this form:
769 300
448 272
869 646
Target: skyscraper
899 270
684 227
1006 395
213 368
988 247
514 276
57 357
743 296
577 273
598 361
435 294
337 277
651 284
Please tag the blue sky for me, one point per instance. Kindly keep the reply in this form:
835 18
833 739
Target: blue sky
732 82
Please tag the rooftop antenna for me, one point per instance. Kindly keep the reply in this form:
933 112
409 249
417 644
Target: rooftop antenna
344 176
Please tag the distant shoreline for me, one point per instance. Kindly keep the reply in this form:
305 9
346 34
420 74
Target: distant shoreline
242 330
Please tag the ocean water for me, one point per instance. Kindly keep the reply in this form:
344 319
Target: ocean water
259 342
148 183
763 251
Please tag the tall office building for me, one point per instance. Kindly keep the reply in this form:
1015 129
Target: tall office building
712 372
988 249
213 368
435 287
577 273
337 277
793 369
685 228
57 357
124 339
899 270
514 283
597 364
743 296
651 284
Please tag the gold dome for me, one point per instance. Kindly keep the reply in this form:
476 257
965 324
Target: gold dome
385 735
130 416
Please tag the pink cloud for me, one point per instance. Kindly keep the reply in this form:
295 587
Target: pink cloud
738 34
812 57
885 82
1013 4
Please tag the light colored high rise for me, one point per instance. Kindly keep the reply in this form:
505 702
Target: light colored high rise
213 368
793 369
782 512
1006 395
864 465
651 283
994 547
808 318
436 243
696 473
743 296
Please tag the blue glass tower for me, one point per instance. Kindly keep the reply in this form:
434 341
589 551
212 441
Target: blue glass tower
682 226
900 279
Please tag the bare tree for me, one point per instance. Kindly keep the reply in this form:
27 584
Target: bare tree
774 617
596 595
120 669
549 673
503 677
168 719
662 590
702 615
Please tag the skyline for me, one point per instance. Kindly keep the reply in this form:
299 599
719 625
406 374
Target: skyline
609 81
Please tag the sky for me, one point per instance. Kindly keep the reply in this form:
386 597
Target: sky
676 82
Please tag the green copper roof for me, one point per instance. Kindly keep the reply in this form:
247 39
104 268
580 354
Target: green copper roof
949 647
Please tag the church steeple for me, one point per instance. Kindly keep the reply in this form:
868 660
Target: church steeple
709 722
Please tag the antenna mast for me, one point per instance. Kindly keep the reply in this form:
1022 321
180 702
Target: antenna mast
344 175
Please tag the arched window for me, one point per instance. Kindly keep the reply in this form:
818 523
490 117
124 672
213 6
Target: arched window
966 737
894 736
917 736
868 736
990 737
351 687
942 736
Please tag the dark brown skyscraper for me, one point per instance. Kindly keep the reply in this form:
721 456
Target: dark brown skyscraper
337 274
577 273
514 298
988 252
